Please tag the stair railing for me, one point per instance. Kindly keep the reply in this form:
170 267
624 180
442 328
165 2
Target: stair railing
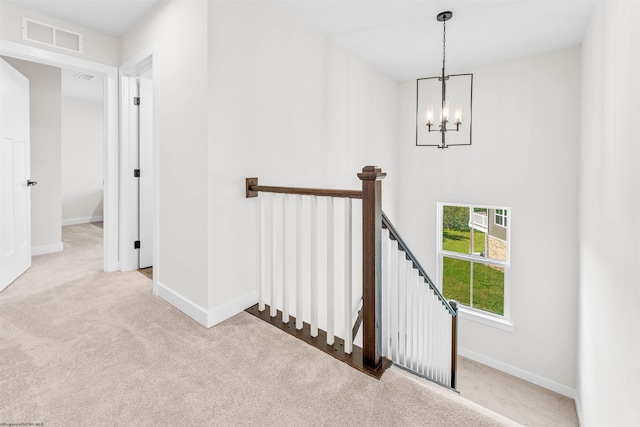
404 317
420 325
280 299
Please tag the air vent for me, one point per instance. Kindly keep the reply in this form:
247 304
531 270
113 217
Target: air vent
83 76
50 35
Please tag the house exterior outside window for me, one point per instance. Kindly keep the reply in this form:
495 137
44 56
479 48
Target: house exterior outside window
473 258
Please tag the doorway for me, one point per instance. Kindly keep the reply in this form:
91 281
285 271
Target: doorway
139 207
110 149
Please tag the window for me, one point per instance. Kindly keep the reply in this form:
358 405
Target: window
500 217
474 257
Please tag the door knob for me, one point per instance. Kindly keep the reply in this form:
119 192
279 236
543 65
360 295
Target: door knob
31 183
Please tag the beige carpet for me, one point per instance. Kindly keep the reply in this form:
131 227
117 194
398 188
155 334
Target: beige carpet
82 256
102 350
514 398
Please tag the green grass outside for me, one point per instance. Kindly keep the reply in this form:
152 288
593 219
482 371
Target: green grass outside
460 241
488 282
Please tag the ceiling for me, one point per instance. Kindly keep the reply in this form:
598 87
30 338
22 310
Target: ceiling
400 37
112 17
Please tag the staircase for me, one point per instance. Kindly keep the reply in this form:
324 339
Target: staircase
306 280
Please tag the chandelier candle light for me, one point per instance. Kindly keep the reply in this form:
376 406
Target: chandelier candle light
428 90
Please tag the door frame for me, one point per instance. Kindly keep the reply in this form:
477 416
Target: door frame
111 137
129 71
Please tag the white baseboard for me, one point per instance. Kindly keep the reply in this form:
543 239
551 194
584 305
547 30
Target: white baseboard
47 249
202 316
519 373
192 310
85 220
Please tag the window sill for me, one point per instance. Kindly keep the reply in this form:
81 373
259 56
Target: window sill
485 319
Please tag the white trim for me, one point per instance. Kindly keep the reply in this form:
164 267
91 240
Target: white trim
475 258
47 249
135 67
128 184
85 220
231 308
519 373
111 137
484 317
192 310
206 318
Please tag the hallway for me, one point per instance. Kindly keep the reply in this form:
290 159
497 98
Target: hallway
516 399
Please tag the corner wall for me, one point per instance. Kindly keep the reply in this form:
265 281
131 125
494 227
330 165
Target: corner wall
609 297
179 30
291 107
524 156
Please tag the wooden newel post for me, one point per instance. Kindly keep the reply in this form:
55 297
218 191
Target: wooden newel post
454 345
371 178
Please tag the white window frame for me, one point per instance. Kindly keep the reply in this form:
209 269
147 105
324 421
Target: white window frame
481 316
504 217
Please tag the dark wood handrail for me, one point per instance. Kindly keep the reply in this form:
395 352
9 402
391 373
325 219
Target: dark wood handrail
252 190
386 223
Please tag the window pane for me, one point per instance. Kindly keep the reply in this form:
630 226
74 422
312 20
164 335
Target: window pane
488 288
456 279
456 234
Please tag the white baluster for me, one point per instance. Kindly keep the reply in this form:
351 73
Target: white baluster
418 306
285 284
385 292
348 255
299 287
414 317
431 338
402 314
330 272
272 258
440 337
260 255
421 320
395 296
314 265
409 311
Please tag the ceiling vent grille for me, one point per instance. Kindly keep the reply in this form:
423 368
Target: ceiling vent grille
50 35
83 76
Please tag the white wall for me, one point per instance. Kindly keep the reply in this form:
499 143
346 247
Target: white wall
45 94
82 160
97 47
292 108
180 30
524 156
609 317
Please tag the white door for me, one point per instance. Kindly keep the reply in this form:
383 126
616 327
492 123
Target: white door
145 190
15 197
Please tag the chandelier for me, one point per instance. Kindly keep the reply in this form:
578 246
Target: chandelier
440 91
